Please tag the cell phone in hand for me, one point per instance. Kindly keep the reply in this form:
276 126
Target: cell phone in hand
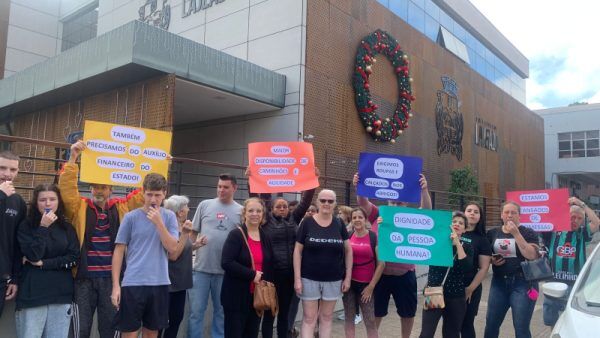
497 256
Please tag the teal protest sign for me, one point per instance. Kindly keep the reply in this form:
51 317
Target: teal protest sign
415 236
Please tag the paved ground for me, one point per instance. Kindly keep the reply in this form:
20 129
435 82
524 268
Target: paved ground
390 327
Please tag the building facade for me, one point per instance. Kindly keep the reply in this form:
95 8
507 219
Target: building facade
281 70
220 74
572 151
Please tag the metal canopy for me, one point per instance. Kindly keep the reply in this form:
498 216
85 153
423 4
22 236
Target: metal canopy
128 54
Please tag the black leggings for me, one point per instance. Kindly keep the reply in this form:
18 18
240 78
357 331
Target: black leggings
242 324
176 309
284 284
453 314
468 327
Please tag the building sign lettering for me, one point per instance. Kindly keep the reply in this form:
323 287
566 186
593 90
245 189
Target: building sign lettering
448 119
486 135
194 6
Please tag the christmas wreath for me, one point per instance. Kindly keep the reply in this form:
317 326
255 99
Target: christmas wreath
380 42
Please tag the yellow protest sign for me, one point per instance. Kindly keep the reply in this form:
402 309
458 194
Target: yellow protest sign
123 155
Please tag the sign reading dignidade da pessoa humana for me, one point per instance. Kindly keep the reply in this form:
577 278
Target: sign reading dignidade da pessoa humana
389 177
415 236
123 155
543 210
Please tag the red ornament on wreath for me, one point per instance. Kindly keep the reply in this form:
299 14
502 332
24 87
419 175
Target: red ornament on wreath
386 130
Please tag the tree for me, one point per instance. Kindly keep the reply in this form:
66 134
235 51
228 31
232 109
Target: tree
464 187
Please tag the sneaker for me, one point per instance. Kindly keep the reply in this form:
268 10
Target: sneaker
293 333
357 319
341 316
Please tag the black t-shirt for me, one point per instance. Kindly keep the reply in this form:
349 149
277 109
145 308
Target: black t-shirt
323 252
505 244
455 284
481 246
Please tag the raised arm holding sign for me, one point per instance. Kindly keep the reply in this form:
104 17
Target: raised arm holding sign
123 155
390 177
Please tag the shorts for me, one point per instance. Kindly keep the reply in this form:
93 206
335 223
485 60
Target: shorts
145 306
315 290
402 288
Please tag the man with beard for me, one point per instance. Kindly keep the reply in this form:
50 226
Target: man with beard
12 212
96 221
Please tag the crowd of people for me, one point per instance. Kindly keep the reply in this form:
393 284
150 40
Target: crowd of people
136 260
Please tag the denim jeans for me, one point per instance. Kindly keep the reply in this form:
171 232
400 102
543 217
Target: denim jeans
47 321
509 292
205 284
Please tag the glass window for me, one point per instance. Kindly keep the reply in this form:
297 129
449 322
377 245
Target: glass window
432 28
592 144
454 45
578 153
416 17
432 9
592 134
460 32
593 153
420 3
579 145
489 56
80 27
446 20
564 136
564 145
564 154
489 71
480 65
470 41
400 8
580 135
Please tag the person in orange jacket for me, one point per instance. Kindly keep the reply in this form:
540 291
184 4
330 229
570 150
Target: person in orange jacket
96 221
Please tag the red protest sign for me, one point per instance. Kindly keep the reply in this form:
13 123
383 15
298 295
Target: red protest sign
281 167
543 210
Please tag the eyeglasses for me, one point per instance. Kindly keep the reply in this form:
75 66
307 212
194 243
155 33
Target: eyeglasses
323 201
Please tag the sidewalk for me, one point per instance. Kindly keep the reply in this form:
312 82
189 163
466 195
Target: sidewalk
390 327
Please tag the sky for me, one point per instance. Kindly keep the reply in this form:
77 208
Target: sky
561 39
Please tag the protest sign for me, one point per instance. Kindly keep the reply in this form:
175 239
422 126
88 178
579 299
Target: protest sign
281 167
415 236
123 155
543 210
389 177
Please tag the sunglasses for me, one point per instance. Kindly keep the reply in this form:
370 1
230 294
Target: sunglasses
323 201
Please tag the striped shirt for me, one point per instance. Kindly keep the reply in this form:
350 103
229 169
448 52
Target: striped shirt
99 254
566 250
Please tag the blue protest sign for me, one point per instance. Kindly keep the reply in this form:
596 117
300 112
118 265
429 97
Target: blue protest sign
389 177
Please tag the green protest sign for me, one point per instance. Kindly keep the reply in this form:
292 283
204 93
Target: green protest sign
415 236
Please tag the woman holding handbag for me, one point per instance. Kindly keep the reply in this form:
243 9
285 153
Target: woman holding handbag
247 261
445 291
511 244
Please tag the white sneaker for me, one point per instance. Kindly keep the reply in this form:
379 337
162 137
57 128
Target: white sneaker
357 319
341 316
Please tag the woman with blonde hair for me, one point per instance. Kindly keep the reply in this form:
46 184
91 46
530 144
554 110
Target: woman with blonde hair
247 259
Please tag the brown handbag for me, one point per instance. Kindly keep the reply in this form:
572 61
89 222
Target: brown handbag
434 295
265 294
